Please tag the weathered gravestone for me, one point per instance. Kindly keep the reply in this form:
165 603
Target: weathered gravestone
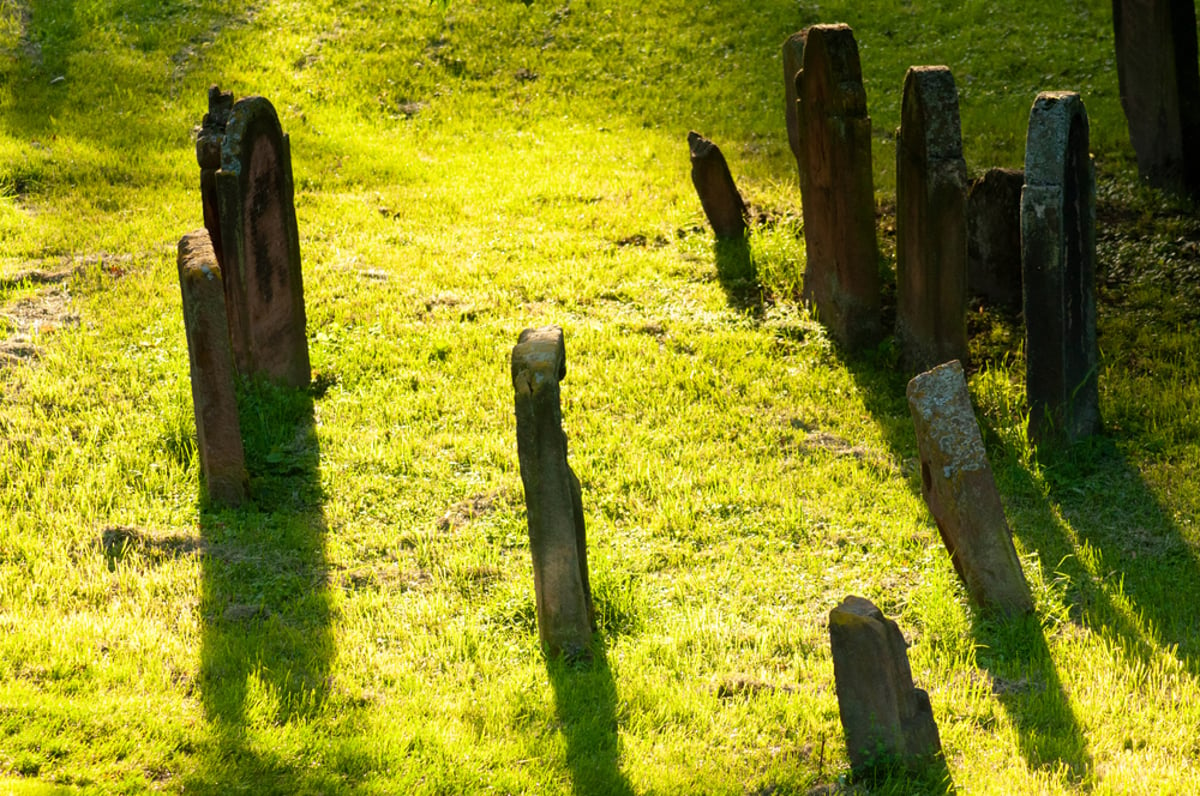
719 195
553 499
886 719
218 432
836 189
931 222
1058 262
1160 88
793 62
248 208
957 483
994 237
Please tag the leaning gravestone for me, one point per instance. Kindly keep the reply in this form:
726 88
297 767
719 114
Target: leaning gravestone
259 242
553 499
931 222
718 194
957 483
793 62
887 720
218 432
1160 88
836 189
994 237
1058 261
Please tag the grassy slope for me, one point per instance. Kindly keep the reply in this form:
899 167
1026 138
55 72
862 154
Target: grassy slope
461 175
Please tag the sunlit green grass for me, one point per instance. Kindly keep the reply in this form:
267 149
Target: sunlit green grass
464 171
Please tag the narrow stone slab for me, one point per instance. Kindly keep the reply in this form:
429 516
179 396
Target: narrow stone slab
553 498
994 237
887 720
255 223
719 195
1058 264
958 486
218 431
931 222
841 279
793 62
1160 89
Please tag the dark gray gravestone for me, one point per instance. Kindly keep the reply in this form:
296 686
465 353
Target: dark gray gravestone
994 237
719 195
553 499
793 62
957 483
931 222
838 196
218 432
259 239
1058 262
887 720
1160 88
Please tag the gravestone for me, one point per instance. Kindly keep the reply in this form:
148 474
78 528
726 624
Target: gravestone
251 194
994 237
553 498
837 192
218 432
931 222
886 719
958 487
793 62
719 195
1058 267
1160 89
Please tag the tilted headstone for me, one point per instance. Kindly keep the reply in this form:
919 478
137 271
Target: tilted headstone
886 719
1058 267
931 222
714 184
255 223
836 188
553 499
1160 89
218 432
994 237
793 62
957 483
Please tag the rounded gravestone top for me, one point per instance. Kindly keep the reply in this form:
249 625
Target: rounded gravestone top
1053 115
930 123
832 74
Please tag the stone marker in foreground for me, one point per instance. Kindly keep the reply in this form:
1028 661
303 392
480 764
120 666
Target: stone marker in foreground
1160 89
994 237
793 62
1058 262
255 224
553 499
836 188
887 720
714 184
957 483
931 222
218 432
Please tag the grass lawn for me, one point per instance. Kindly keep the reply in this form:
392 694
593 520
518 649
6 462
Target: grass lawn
463 171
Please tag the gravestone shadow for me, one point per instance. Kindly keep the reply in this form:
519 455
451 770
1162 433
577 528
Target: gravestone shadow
585 699
267 644
738 274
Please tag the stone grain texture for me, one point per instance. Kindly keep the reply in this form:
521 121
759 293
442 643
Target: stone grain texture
994 238
719 195
793 62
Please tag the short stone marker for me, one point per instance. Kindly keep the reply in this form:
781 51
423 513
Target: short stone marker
1160 89
958 486
714 184
1058 264
218 431
994 237
255 224
793 62
841 279
931 222
553 498
887 720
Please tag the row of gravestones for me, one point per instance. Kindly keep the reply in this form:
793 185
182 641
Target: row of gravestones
1040 234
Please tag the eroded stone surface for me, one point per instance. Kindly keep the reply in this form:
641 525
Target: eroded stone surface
994 237
719 195
887 720
793 62
553 498
958 487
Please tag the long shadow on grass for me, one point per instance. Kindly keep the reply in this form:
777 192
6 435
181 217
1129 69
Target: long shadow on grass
267 645
585 697
737 273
